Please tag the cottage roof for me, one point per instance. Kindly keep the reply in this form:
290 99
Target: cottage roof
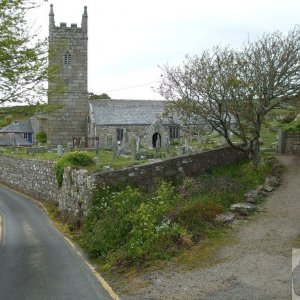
18 127
125 112
13 139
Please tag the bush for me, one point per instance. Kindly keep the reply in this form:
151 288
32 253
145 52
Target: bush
288 118
8 119
41 137
196 216
125 227
128 227
71 159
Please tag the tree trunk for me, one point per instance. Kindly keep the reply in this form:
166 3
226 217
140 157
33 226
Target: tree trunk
255 152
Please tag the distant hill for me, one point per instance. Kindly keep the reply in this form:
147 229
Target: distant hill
18 113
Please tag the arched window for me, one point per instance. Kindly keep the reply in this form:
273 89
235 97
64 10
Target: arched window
67 58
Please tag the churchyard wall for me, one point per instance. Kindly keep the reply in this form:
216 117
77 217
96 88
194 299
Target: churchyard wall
36 178
289 142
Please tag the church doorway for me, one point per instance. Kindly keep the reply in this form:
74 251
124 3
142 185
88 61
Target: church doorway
156 140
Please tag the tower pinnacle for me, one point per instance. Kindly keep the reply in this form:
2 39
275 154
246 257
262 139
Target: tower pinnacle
51 17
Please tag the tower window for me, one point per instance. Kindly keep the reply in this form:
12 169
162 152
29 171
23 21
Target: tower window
67 58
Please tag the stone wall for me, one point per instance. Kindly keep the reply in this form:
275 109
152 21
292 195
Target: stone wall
171 170
108 133
36 178
289 142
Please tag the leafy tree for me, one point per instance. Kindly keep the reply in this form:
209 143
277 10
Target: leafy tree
233 90
93 96
23 57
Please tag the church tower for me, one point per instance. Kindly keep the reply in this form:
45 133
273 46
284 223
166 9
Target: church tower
67 83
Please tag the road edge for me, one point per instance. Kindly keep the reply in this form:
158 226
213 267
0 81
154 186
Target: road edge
102 281
1 228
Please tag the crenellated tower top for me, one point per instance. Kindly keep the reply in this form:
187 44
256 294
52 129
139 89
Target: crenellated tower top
63 25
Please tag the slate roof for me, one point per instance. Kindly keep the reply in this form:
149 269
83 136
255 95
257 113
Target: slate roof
18 127
125 112
11 138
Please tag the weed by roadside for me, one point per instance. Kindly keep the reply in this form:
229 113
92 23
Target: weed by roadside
128 227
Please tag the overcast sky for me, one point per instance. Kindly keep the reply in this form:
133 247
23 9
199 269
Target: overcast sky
128 40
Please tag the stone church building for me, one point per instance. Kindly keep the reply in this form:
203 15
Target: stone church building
105 121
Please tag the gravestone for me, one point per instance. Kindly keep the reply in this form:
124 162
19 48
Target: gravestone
186 145
97 146
115 149
168 146
158 147
60 150
69 146
133 148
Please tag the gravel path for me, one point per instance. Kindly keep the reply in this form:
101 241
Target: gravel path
258 266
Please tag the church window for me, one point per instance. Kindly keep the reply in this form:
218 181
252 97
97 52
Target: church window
174 132
120 133
67 58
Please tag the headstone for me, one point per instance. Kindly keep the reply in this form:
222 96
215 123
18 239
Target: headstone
186 145
69 146
97 146
60 150
125 139
96 160
133 148
168 146
157 145
115 149
82 143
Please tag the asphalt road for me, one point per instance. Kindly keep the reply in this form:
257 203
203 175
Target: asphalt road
36 262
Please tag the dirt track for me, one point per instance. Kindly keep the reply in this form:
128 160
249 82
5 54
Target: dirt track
258 266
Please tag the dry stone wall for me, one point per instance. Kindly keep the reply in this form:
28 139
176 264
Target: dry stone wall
36 178
289 142
170 170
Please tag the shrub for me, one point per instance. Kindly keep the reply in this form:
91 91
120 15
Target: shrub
288 118
126 227
175 142
196 216
71 159
41 137
8 119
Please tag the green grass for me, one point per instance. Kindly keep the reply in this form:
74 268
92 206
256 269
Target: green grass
105 158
